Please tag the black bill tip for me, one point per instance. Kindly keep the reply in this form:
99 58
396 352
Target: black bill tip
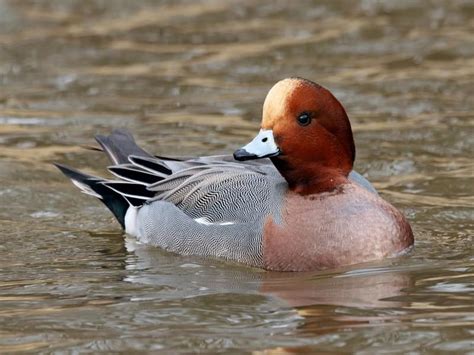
241 155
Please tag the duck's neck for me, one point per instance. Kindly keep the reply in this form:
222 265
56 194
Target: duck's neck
307 179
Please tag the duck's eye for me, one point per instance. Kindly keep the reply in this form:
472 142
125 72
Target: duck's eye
304 119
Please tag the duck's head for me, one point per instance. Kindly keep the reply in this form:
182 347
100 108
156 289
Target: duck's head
307 134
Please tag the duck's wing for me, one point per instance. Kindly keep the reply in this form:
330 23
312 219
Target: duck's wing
209 190
220 193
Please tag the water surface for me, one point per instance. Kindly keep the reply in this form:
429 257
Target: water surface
190 78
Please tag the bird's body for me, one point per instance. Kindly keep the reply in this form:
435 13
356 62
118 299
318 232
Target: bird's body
291 211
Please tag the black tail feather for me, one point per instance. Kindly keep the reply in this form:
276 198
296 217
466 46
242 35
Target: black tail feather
131 173
119 145
131 189
118 196
150 164
95 186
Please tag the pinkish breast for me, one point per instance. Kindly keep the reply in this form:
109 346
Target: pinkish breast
347 226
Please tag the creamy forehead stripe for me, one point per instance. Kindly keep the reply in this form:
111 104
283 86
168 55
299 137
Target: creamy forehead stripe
275 103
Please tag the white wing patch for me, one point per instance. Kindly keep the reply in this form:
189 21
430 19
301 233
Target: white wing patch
205 221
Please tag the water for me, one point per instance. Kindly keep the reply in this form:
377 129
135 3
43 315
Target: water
190 78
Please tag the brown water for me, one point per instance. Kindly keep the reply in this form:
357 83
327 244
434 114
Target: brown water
189 77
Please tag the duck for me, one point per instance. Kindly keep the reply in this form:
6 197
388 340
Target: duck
287 201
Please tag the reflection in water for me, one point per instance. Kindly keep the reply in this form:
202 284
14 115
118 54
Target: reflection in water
190 78
363 290
358 291
314 297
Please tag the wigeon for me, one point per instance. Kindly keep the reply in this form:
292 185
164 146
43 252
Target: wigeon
287 201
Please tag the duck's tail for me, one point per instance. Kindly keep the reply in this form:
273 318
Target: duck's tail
118 196
119 145
94 186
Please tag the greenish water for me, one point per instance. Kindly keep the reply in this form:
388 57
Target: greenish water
190 78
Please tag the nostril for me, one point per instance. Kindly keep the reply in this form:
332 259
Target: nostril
264 139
